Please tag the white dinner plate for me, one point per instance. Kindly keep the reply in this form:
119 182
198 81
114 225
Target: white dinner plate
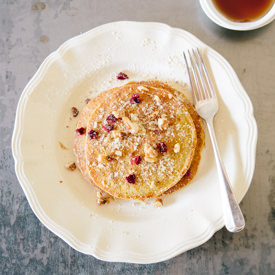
126 231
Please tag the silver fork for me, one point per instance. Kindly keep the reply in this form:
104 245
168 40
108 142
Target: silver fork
206 104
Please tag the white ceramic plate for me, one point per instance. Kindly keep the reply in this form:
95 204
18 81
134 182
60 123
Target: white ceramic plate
124 230
214 14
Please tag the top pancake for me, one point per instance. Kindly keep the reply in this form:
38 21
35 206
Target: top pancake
200 133
142 129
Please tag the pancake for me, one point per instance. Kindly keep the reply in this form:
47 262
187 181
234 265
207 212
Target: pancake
200 133
146 146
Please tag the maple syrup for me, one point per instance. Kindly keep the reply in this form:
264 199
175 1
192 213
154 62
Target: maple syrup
243 10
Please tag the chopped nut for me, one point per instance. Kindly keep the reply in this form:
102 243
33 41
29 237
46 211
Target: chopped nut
151 155
153 115
102 198
157 99
148 159
158 203
71 166
101 201
111 176
127 122
134 117
101 158
116 114
177 148
170 96
117 134
141 128
107 139
163 123
142 88
153 185
95 125
133 126
75 112
118 153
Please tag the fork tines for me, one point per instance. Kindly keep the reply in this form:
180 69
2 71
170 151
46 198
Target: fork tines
198 76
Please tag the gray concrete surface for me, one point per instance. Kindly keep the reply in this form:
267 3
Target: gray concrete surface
29 31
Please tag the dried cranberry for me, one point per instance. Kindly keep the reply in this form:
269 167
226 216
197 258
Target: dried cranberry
111 118
107 128
122 76
80 131
131 178
87 100
93 134
135 99
135 160
162 147
187 174
109 158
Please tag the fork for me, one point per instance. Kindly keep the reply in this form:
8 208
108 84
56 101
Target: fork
206 104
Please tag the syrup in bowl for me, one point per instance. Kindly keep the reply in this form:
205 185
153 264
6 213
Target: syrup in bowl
243 10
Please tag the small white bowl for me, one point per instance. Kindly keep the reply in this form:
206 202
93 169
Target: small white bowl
218 18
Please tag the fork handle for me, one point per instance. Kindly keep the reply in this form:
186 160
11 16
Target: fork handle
233 217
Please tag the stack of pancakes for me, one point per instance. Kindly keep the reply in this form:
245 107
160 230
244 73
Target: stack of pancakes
139 141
